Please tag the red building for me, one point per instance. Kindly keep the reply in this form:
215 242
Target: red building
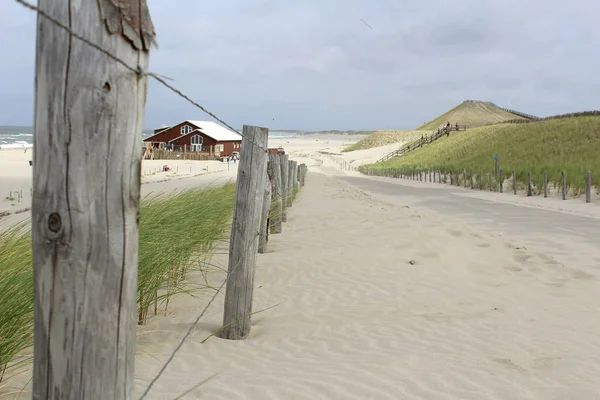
197 136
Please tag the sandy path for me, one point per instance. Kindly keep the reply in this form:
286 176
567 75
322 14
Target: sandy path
381 301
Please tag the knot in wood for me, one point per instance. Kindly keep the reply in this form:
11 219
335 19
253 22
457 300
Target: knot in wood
54 222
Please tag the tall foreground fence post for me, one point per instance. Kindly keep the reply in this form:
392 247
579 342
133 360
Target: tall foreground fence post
89 113
251 181
275 225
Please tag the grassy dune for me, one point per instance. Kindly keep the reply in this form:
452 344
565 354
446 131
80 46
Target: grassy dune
177 234
383 138
570 144
472 114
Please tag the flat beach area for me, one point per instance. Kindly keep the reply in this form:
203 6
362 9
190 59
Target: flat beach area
383 289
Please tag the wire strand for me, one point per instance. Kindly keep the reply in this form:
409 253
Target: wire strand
137 70
193 326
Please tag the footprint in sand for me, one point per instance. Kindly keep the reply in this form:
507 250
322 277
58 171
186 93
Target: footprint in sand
454 232
507 362
483 245
522 258
577 274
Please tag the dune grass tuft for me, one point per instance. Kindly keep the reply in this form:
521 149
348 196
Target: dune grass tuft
16 294
177 232
571 145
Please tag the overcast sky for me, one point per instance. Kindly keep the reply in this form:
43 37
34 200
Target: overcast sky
313 64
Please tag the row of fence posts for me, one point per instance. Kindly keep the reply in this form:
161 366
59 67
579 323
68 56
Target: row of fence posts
266 187
85 232
343 164
495 182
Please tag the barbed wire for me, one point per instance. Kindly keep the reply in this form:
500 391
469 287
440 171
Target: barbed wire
137 70
193 326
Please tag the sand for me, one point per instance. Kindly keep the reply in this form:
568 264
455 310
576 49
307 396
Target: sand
374 298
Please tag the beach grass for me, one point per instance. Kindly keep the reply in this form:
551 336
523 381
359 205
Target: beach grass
383 138
569 145
177 233
16 295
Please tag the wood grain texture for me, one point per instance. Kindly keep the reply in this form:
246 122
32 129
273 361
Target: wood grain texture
131 19
243 246
285 168
86 188
276 219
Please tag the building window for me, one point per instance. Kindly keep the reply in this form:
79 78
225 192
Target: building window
219 147
196 143
185 129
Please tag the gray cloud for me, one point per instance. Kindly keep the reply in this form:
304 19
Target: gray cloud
315 65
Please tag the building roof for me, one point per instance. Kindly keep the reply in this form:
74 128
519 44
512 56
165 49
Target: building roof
216 131
209 128
195 131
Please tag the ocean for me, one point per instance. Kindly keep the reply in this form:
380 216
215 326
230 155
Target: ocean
16 137
21 137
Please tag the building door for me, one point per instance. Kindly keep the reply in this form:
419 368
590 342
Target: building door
196 143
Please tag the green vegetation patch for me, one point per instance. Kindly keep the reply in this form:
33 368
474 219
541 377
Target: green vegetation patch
571 145
177 233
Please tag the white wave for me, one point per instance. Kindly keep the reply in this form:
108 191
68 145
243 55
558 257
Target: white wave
16 145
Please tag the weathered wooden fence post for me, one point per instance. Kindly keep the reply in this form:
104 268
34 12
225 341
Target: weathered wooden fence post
491 181
471 173
514 179
251 181
465 177
564 185
501 180
276 218
89 113
264 222
290 182
529 188
480 180
285 168
545 183
588 187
